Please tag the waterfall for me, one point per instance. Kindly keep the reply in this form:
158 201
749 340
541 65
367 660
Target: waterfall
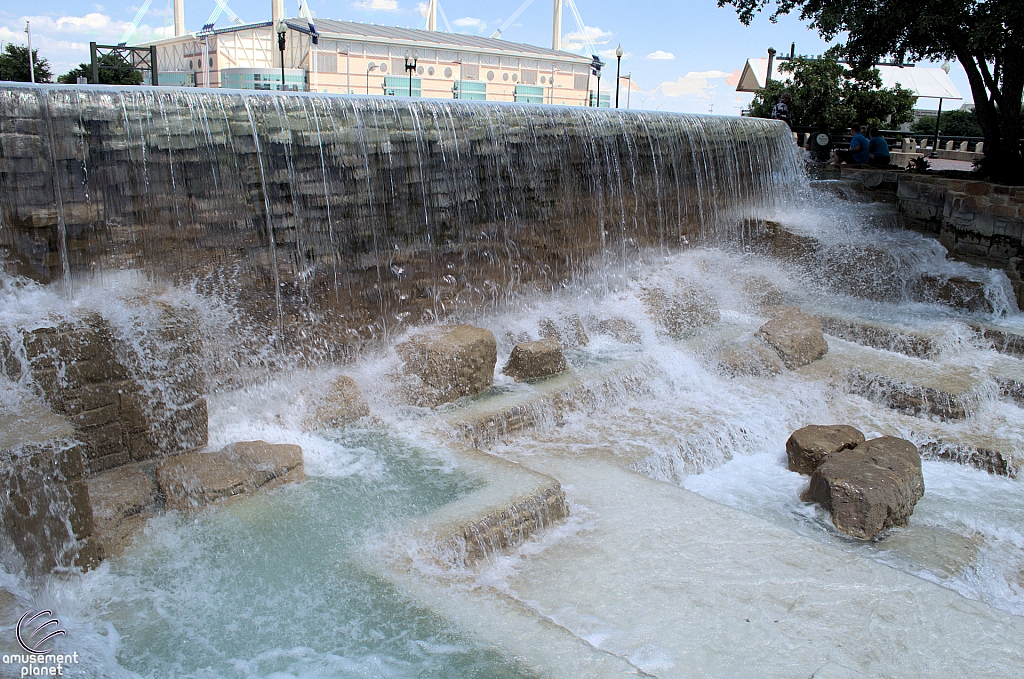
340 219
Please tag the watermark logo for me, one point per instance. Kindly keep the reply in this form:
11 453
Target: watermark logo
31 640
35 633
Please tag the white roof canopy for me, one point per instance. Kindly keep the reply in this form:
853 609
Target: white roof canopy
925 83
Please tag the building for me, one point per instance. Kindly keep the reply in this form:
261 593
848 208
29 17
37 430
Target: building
355 58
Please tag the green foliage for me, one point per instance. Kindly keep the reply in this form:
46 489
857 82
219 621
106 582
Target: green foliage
825 91
954 123
14 65
985 36
114 70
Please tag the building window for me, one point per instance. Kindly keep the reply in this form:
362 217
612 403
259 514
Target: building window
474 91
543 79
504 76
419 70
383 67
515 78
447 72
398 85
530 94
190 64
327 62
490 75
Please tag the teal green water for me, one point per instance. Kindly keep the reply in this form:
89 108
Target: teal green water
269 586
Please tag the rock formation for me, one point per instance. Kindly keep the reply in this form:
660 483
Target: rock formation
748 358
809 446
450 362
620 330
196 479
795 336
343 404
869 488
681 313
535 360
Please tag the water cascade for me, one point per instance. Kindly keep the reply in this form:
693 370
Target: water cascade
186 271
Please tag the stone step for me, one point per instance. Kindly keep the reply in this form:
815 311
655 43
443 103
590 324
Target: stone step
661 576
880 336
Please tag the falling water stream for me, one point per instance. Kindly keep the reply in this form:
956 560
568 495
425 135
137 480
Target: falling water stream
311 234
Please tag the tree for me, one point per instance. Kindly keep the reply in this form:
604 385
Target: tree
985 36
826 91
959 123
114 70
14 65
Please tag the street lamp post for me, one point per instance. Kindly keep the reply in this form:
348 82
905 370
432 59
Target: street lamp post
629 91
410 66
371 67
282 29
595 66
618 69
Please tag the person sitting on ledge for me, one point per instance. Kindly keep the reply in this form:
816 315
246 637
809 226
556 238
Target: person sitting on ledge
857 154
878 149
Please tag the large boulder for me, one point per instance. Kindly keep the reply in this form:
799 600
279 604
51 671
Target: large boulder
795 336
681 313
343 404
535 360
809 446
451 362
195 479
869 488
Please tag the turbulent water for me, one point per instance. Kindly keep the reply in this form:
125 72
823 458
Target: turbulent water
289 583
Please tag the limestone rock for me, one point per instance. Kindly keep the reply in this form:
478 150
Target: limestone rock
939 551
748 358
343 404
809 446
122 502
195 479
682 313
535 360
451 361
796 337
762 293
571 334
869 488
954 291
620 330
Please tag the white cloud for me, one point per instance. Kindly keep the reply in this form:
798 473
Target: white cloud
609 54
423 9
377 5
577 39
694 83
473 23
660 55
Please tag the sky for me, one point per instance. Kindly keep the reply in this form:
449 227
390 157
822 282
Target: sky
683 55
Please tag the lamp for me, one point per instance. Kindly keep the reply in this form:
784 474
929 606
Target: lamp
410 66
618 69
282 29
371 67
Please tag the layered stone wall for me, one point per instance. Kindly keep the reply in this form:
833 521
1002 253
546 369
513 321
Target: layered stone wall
976 221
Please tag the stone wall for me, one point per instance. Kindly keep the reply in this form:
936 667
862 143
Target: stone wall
976 221
123 406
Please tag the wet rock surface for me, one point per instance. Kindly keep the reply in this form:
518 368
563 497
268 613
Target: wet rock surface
196 479
809 446
450 362
750 358
795 336
123 500
620 330
535 360
682 311
343 404
869 488
761 293
569 333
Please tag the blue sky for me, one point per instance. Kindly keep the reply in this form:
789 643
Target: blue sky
681 54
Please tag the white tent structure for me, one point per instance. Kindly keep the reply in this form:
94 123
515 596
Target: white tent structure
925 83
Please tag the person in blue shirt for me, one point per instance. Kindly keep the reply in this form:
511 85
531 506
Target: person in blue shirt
878 149
858 152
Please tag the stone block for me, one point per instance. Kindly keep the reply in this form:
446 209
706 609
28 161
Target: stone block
683 311
796 337
620 330
869 488
748 358
535 360
122 500
342 404
451 362
978 188
808 446
195 479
